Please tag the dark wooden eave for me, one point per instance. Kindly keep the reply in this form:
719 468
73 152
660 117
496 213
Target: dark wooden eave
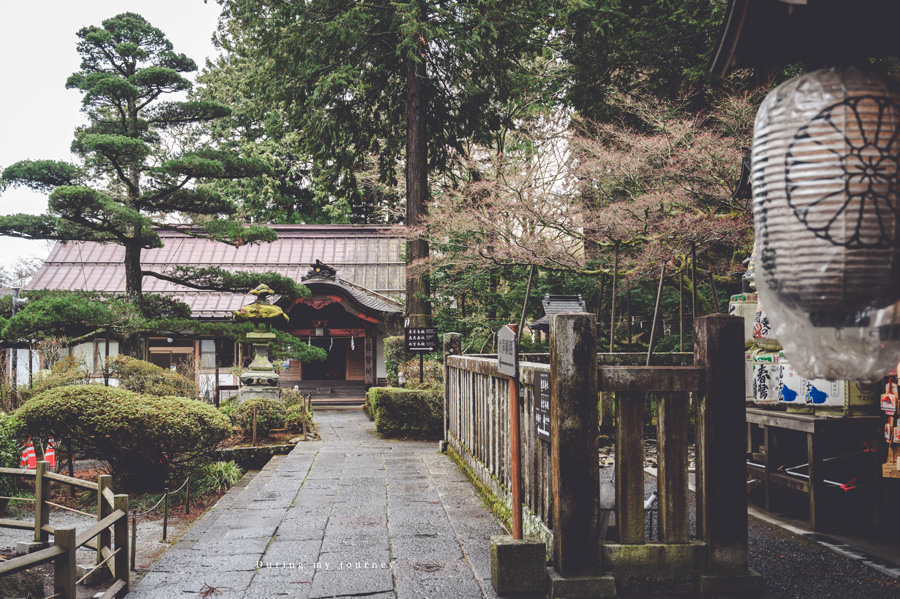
817 33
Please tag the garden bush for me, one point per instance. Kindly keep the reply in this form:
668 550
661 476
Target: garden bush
10 452
68 371
432 373
269 415
216 477
142 437
295 416
406 413
143 377
394 355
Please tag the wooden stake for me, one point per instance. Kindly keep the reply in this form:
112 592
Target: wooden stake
525 303
681 312
712 289
694 279
133 540
662 275
628 317
253 440
612 317
165 513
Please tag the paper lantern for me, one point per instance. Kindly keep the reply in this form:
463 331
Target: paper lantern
826 179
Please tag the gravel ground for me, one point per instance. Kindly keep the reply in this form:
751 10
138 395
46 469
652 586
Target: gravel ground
149 543
793 567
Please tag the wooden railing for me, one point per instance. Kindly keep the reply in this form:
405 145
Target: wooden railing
479 433
112 549
560 479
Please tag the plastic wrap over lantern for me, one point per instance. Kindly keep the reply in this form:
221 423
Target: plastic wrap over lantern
826 178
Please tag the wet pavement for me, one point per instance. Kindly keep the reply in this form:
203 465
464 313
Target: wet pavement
351 515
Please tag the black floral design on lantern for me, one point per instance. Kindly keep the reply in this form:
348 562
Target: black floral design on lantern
843 173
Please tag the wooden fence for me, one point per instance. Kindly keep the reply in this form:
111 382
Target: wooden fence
479 433
112 549
560 479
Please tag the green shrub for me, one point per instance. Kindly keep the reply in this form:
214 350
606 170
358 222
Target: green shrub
228 408
141 436
65 372
295 416
10 453
394 356
269 415
143 377
406 413
293 397
216 477
432 373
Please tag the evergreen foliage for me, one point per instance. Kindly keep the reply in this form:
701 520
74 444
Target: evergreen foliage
141 436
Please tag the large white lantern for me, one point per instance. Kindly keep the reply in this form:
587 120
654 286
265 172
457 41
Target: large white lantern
826 181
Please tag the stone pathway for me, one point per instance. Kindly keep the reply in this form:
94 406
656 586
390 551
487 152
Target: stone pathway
350 516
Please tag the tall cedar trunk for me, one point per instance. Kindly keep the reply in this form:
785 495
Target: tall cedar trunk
418 307
130 344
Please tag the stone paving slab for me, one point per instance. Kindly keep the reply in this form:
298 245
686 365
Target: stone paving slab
349 516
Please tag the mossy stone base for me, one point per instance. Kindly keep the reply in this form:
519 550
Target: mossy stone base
518 566
580 587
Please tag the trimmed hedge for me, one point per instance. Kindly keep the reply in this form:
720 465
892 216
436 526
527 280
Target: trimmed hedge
406 413
143 377
141 436
270 414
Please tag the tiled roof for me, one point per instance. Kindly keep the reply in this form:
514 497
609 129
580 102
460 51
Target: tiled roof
558 304
366 256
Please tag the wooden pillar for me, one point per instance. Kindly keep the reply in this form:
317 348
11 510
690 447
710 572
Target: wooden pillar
64 567
120 529
452 347
41 497
722 484
574 444
104 481
672 415
630 466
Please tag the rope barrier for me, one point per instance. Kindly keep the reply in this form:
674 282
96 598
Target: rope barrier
163 497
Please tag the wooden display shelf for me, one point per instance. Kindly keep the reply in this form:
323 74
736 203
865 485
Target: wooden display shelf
782 444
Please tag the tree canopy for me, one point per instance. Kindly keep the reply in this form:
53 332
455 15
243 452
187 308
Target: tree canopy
131 177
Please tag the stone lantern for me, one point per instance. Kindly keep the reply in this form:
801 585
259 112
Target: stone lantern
261 380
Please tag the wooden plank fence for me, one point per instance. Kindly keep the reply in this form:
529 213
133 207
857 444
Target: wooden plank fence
112 550
477 425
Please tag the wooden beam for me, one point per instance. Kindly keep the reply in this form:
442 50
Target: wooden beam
649 379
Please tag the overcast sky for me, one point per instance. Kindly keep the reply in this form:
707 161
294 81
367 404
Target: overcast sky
37 54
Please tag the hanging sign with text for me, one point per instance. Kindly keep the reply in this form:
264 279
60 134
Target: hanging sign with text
542 405
507 352
421 339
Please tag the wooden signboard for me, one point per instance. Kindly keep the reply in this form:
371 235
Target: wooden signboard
421 339
542 405
507 352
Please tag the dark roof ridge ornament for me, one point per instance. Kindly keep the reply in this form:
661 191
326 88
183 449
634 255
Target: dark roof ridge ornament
320 270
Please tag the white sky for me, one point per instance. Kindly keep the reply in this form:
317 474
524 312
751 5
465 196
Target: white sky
37 54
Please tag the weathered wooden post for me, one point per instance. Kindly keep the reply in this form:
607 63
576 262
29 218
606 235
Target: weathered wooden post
104 481
721 458
64 567
575 463
517 564
41 497
120 534
508 364
452 347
